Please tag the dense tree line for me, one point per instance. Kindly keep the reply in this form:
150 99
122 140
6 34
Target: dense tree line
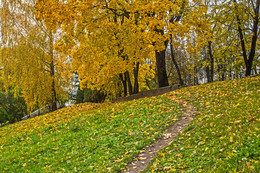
119 48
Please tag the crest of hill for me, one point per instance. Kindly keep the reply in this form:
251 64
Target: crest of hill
149 93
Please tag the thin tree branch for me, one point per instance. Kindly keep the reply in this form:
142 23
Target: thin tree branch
241 35
253 5
255 30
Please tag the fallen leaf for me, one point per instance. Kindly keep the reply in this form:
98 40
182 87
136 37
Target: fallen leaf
25 165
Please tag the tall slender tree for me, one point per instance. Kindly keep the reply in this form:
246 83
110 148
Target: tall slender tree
250 11
29 57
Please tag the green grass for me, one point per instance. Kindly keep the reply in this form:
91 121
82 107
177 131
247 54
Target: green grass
86 137
224 137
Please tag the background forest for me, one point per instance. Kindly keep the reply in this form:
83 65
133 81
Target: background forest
113 48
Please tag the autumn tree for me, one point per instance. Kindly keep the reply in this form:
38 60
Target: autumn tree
101 64
220 56
113 40
240 19
247 14
29 58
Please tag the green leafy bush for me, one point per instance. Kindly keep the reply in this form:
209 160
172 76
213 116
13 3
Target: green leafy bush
12 108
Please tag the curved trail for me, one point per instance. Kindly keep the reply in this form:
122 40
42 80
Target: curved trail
140 162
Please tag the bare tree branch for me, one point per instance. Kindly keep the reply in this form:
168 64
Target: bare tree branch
253 5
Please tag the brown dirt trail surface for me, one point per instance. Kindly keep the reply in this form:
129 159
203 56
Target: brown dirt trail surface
140 162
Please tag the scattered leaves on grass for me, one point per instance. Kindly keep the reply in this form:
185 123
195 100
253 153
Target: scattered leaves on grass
91 137
225 136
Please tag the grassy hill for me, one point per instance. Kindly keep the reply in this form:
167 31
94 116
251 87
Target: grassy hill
105 137
86 137
224 137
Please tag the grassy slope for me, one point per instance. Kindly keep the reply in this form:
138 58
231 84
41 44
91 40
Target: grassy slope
86 137
224 137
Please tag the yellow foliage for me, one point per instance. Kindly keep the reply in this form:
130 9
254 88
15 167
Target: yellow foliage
28 57
107 38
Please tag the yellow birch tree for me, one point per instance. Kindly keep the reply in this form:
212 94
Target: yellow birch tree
29 58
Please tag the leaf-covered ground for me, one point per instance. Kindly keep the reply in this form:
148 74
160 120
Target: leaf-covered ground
224 137
85 137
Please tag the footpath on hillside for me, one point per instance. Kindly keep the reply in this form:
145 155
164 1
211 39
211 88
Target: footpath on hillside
140 162
143 159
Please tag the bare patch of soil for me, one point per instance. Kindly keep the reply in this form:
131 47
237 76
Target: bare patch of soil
143 159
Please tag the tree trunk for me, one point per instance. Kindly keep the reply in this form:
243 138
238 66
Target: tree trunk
136 84
52 73
211 62
118 92
124 83
249 68
219 72
161 69
176 64
250 58
195 77
162 77
129 84
208 74
254 39
255 69
53 90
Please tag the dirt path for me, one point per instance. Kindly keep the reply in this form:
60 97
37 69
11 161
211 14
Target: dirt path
143 159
